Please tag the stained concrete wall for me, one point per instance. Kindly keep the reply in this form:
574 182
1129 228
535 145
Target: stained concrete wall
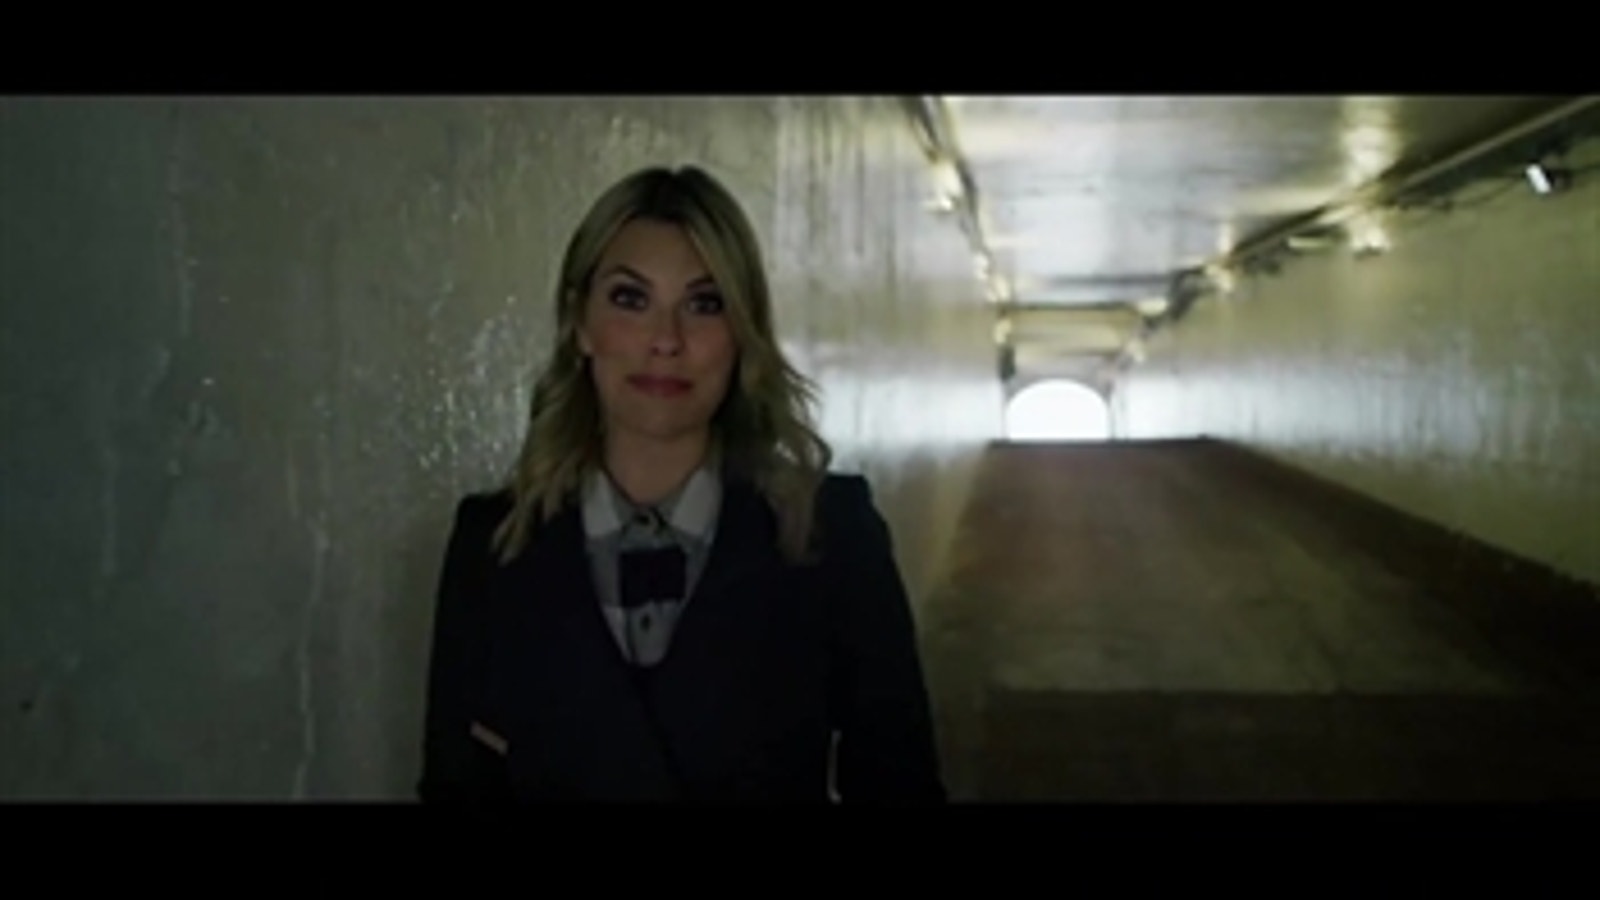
253 350
1454 377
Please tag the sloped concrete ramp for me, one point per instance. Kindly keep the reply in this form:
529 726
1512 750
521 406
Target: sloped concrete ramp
1187 620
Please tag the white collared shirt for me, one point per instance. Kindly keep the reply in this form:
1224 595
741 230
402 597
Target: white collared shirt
614 525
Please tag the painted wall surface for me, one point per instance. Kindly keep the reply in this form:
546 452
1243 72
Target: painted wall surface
254 350
1456 377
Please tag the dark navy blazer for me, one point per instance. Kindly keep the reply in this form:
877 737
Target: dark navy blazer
529 697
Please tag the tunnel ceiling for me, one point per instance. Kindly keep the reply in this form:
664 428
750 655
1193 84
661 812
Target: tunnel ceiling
1086 203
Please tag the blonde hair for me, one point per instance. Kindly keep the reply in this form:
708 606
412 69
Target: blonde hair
762 431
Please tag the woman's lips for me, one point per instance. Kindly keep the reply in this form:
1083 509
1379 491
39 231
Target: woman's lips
658 385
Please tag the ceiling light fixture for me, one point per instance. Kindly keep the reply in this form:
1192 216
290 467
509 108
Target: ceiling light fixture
1221 278
1309 243
1368 236
1002 330
999 289
1151 307
947 179
1545 177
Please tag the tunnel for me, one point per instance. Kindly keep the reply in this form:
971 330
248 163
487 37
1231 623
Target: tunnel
1232 448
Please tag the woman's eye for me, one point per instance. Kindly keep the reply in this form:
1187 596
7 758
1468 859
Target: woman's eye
631 297
707 304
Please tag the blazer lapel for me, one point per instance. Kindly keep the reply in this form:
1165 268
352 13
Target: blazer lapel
743 638
558 669
744 547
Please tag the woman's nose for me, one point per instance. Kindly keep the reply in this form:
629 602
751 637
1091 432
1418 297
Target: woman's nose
667 337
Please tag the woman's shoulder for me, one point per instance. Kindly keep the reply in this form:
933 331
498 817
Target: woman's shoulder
844 488
845 501
486 502
481 512
493 503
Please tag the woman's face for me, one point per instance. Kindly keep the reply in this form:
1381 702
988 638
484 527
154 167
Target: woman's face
660 346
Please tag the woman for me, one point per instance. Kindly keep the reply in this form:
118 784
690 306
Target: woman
673 599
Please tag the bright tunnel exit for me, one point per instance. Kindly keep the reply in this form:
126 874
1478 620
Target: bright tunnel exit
1057 410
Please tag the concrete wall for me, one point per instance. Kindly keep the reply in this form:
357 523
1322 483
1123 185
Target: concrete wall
1456 377
253 350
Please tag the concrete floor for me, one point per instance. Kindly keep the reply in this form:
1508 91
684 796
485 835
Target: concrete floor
1188 621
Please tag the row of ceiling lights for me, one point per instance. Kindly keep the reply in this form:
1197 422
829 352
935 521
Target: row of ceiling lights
1357 222
955 191
1535 150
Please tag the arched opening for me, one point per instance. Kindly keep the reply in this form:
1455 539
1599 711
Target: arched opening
1058 410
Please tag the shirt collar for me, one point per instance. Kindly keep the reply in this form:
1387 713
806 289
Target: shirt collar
691 509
